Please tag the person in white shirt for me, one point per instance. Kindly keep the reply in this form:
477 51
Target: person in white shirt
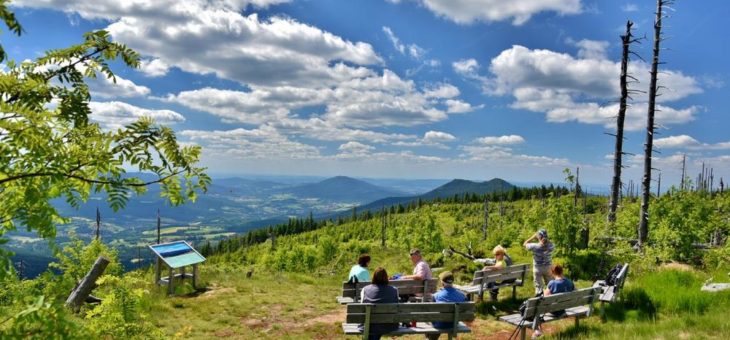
421 271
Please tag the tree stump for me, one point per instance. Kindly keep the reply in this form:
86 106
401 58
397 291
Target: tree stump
88 283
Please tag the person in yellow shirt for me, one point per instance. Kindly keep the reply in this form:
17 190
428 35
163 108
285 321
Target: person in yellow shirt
501 260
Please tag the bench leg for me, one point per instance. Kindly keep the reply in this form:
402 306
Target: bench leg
514 292
523 333
577 322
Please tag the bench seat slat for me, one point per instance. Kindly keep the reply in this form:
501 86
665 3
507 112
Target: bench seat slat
407 317
421 328
426 307
580 311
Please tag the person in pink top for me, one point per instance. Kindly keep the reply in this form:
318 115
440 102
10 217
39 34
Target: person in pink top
421 271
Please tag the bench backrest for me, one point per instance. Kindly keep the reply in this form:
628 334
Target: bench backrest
621 277
407 312
552 303
485 277
368 313
405 287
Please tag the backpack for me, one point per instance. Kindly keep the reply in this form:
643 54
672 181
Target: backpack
613 275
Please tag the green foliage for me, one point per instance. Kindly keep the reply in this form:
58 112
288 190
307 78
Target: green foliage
587 264
120 314
677 292
75 261
563 222
49 149
41 320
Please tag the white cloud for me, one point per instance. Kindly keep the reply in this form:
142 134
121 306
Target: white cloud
114 114
261 143
356 147
438 136
501 140
571 89
104 87
519 11
153 67
442 91
386 100
458 106
687 142
630 8
466 66
591 49
213 36
394 40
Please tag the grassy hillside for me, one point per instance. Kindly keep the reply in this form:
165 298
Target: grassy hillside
290 291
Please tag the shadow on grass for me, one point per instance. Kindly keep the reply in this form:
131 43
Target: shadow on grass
573 332
494 308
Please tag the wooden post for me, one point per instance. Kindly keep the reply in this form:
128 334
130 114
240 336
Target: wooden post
87 284
195 276
158 270
171 281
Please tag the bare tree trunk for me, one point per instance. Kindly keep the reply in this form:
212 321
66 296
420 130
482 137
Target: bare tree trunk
684 168
87 284
486 218
659 185
382 228
577 187
618 151
646 182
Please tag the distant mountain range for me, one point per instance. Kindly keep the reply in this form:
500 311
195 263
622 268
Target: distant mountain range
342 188
455 187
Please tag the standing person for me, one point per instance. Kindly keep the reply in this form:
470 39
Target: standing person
421 270
360 270
542 258
380 292
447 294
557 285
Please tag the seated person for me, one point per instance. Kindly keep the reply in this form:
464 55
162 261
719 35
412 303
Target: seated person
501 260
421 271
380 292
557 285
359 272
447 294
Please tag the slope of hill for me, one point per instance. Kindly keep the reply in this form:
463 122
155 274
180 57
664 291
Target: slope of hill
455 187
342 188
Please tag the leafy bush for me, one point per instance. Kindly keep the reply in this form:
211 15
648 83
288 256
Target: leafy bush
41 320
120 314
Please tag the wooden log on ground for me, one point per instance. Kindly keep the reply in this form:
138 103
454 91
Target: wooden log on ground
715 287
88 283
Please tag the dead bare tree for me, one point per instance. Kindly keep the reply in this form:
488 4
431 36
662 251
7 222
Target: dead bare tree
648 146
684 169
626 40
486 218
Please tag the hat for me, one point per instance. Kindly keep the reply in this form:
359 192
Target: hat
542 233
415 251
446 277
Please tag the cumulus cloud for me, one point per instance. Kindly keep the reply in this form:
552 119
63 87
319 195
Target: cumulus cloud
214 37
438 136
153 67
119 87
114 114
458 106
567 88
501 140
385 100
356 147
264 142
688 142
519 11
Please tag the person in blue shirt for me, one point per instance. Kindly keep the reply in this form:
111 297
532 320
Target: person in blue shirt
559 284
360 270
447 294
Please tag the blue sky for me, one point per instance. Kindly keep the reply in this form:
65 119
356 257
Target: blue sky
404 89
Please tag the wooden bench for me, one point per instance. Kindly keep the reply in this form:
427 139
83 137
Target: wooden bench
424 288
360 316
483 278
577 304
610 293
